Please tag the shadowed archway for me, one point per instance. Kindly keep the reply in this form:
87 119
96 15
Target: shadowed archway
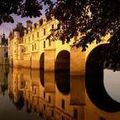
62 62
94 80
42 61
62 72
42 69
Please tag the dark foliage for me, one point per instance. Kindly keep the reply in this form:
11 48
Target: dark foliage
24 8
93 19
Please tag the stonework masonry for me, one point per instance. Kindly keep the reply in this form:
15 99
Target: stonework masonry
33 50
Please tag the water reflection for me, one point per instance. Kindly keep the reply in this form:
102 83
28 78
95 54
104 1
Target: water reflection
95 81
29 99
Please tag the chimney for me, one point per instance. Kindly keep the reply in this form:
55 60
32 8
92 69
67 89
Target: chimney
29 24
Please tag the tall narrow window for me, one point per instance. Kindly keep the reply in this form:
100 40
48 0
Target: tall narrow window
37 34
58 26
35 46
52 26
29 39
52 113
32 37
63 104
75 114
49 99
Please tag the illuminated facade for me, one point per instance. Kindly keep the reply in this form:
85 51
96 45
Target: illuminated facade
31 49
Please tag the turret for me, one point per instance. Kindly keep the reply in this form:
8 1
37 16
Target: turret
4 41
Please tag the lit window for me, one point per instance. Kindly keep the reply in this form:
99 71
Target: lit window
32 37
37 34
29 39
52 113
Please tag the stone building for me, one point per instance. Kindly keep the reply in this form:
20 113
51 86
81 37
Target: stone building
30 48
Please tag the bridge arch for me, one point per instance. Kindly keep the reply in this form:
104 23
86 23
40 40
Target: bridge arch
62 79
94 81
41 70
42 56
62 62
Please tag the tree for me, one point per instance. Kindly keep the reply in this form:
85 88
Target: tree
24 8
93 19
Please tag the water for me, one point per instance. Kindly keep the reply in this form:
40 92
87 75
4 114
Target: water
34 95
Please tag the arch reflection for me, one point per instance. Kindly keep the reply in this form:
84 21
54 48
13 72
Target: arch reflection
94 80
62 72
48 101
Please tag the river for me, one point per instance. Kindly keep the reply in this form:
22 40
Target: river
27 94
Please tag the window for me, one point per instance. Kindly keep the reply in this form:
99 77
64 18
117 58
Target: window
49 99
35 46
75 114
37 34
52 26
63 104
58 26
29 39
32 37
44 31
63 41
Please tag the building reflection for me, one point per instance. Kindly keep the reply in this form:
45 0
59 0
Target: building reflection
3 79
53 97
